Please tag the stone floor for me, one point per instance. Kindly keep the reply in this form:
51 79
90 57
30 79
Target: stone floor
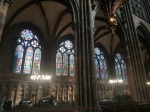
57 108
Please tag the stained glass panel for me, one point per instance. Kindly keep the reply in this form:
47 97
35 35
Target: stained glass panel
72 69
58 64
97 69
101 65
65 65
27 34
68 44
37 61
120 67
18 59
65 55
28 61
30 42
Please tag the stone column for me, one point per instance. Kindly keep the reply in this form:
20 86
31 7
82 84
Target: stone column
4 4
56 93
23 91
63 93
15 93
136 56
86 77
67 93
31 92
37 94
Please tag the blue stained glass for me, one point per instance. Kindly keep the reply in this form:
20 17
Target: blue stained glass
18 59
27 35
97 51
37 61
28 61
65 65
120 67
36 37
27 40
72 68
68 44
58 64
101 65
62 49
65 55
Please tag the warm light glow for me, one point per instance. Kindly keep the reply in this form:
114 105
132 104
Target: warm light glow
40 77
148 83
116 81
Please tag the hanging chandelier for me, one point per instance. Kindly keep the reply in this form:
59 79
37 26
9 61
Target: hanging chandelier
110 7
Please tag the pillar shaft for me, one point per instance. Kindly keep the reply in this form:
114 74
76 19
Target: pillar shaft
4 4
86 89
136 57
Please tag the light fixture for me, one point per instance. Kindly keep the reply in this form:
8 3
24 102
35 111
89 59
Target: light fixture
118 81
41 77
110 7
148 83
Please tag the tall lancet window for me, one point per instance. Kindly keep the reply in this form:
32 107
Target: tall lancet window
27 57
101 64
120 67
65 59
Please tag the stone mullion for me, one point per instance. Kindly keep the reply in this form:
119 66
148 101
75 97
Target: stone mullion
135 51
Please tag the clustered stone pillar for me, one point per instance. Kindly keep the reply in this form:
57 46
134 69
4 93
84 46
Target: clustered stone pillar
139 75
4 4
86 95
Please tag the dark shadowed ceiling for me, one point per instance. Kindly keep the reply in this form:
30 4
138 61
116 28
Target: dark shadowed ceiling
54 19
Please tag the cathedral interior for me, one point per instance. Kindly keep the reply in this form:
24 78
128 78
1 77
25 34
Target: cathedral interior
82 51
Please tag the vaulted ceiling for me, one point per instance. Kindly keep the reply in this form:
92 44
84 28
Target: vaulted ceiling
54 19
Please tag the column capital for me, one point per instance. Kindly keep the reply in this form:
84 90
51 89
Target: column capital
9 2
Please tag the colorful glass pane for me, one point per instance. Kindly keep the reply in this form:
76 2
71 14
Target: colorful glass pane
58 64
101 65
37 61
72 69
120 67
68 44
65 65
27 40
97 69
28 61
97 51
62 49
18 59
34 43
65 51
27 34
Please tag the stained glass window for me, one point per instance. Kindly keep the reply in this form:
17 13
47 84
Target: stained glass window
101 64
120 67
65 59
27 54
